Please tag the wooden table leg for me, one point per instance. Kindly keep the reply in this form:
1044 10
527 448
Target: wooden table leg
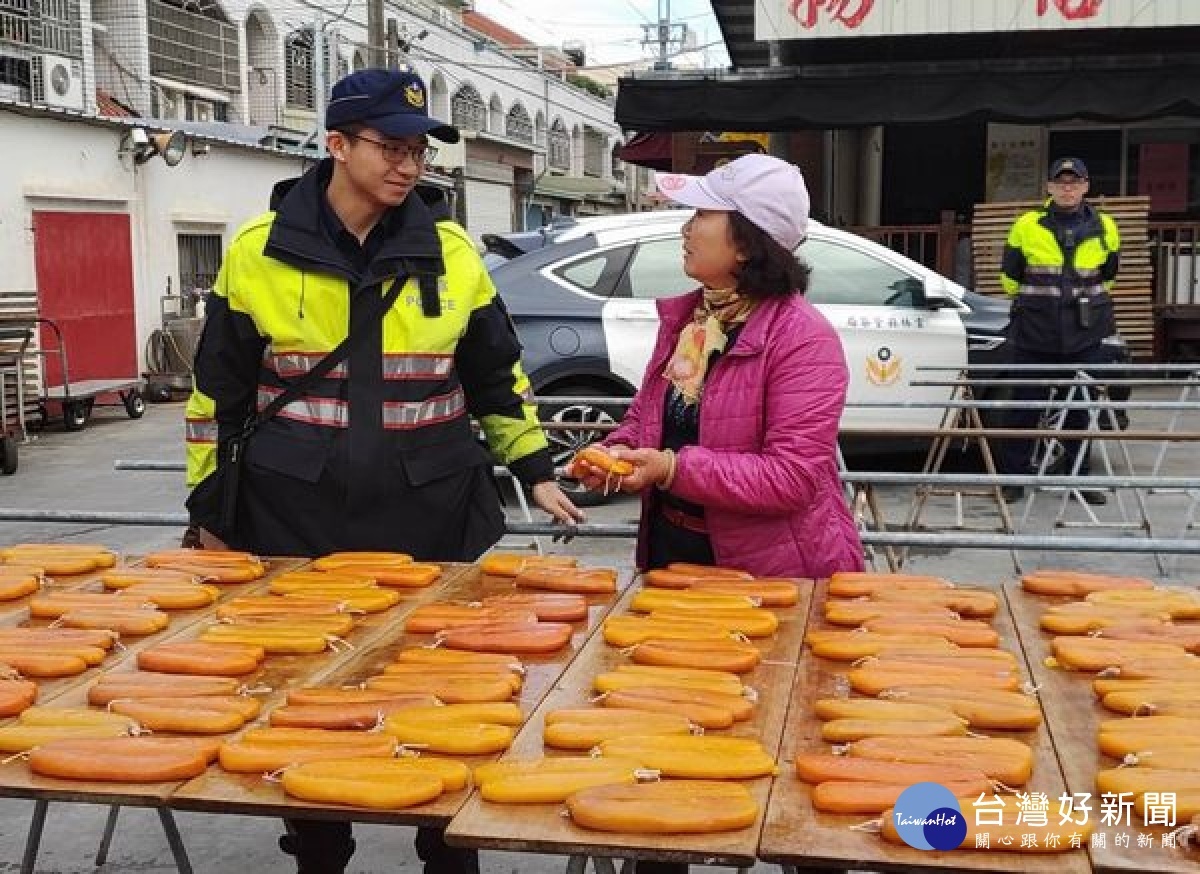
33 837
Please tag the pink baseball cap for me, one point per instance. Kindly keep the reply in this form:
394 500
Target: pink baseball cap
766 190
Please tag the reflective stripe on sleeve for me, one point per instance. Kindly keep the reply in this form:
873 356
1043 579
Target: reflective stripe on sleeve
200 431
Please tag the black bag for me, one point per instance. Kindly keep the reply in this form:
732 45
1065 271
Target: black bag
232 451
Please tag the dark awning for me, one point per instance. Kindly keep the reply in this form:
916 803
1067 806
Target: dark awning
651 150
1115 89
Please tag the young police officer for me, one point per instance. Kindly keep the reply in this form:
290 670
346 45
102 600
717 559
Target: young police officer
378 453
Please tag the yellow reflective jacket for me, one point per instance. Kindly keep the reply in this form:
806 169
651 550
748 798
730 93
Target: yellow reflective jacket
1059 267
380 453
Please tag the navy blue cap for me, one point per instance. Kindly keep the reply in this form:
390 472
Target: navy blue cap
1068 165
393 102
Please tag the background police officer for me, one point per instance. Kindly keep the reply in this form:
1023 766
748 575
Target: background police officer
1058 264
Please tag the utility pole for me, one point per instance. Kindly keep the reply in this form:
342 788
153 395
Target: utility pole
375 35
667 36
393 44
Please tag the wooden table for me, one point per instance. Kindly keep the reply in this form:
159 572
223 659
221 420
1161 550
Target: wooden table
219 791
183 624
17 781
795 834
1073 715
541 828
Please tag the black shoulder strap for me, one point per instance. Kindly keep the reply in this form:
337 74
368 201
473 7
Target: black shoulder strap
358 328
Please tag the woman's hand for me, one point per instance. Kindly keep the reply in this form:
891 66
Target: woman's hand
592 477
650 467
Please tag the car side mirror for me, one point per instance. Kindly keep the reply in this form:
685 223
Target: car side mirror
935 295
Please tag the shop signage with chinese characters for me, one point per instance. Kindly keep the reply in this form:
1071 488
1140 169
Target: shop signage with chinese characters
806 19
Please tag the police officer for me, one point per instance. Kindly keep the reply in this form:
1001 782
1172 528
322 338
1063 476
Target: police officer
1059 262
378 453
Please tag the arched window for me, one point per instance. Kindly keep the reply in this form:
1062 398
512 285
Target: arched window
467 109
559 146
298 69
517 125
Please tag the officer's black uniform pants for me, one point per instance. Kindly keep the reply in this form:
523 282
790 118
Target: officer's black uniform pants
1015 455
325 847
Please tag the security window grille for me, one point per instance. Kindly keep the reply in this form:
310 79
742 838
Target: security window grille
559 146
467 109
15 21
199 262
52 25
299 70
517 124
60 27
193 42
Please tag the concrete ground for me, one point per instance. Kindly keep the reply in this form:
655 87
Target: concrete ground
74 471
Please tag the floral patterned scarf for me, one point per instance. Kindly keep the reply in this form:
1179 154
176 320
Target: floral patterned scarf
718 310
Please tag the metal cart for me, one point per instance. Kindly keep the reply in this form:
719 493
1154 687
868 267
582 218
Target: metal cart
77 399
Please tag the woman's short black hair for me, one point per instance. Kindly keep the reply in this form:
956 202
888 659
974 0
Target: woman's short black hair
769 269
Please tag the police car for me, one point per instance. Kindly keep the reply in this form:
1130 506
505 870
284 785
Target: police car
582 296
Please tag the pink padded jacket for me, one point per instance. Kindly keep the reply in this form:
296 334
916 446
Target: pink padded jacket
765 469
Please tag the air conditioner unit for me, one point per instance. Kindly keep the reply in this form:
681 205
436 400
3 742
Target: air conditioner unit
202 110
57 81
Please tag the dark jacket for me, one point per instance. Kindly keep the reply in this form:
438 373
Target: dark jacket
380 454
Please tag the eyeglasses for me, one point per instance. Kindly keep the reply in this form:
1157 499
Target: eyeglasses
395 153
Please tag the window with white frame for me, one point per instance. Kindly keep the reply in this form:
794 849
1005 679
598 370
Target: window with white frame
517 125
467 109
298 71
559 146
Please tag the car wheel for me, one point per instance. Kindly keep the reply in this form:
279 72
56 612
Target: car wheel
580 431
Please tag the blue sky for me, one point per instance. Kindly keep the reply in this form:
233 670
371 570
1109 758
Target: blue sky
610 29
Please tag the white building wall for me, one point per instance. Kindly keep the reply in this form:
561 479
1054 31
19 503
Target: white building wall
75 166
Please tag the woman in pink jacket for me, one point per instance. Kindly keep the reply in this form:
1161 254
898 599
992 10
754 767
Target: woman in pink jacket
733 434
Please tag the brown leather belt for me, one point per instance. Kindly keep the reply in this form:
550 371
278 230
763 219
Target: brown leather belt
680 519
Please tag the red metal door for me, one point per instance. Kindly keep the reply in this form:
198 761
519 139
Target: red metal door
84 263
